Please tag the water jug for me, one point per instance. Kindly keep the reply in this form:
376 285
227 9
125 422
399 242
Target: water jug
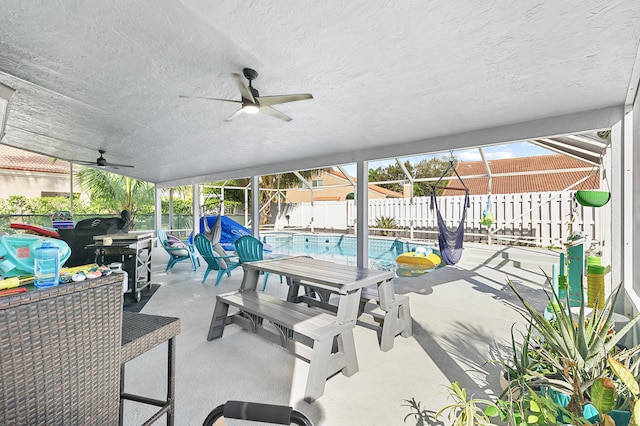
46 265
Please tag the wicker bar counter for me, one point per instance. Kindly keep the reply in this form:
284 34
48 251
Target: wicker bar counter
60 354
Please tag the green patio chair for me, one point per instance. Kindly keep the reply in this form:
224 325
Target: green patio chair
216 260
250 249
178 250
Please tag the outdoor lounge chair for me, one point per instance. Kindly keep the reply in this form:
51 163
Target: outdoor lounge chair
178 250
250 249
216 260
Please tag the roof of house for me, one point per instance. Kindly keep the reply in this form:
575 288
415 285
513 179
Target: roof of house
525 179
17 159
372 187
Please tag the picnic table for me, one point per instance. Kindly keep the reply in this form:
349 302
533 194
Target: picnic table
324 338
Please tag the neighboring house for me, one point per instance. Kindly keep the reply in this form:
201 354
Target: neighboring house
332 185
32 175
543 173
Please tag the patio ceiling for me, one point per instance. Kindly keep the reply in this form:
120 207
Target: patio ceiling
388 79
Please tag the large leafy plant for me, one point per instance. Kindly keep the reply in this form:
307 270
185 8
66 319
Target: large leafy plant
568 368
577 349
385 223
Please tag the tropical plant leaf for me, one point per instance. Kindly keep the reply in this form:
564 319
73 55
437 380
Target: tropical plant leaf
603 394
606 420
635 412
491 411
624 375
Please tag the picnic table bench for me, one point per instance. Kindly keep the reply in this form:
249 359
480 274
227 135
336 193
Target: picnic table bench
291 323
387 313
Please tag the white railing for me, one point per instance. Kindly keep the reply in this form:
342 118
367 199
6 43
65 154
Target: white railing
542 219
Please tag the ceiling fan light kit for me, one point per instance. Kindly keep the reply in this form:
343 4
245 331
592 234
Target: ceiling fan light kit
251 109
251 101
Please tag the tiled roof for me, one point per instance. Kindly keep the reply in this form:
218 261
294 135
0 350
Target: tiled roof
523 182
17 159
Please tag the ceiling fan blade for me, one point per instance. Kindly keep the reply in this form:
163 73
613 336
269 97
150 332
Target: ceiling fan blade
281 99
117 166
210 99
246 93
234 115
85 163
275 113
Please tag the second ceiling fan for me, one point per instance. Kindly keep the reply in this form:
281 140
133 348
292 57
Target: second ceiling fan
251 100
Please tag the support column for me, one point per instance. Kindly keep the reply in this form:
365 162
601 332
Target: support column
170 208
246 207
255 206
196 210
362 214
71 188
157 214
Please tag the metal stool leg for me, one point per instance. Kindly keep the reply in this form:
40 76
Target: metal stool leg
120 421
171 381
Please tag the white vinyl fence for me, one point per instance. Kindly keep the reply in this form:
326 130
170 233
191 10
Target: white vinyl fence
542 219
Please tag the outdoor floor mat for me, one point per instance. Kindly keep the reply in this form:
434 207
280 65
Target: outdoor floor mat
145 295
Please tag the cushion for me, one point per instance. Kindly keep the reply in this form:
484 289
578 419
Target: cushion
174 242
173 239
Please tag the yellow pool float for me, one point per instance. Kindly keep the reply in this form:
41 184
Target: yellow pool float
415 263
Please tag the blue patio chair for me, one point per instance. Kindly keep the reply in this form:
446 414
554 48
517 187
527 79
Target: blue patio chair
250 249
216 260
178 250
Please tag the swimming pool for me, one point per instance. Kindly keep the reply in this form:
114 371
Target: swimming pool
340 248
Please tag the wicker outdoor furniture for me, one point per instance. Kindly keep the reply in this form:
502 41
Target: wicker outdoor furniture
140 333
60 354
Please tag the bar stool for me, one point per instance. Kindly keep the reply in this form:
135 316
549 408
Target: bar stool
140 333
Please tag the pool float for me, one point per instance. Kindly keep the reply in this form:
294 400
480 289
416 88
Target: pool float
17 252
416 263
35 229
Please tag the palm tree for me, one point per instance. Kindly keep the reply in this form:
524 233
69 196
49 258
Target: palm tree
115 192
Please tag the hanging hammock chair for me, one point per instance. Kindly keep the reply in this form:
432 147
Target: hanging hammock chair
214 234
450 241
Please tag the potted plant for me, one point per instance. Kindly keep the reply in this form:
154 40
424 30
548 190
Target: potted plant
386 224
567 368
533 407
577 351
465 410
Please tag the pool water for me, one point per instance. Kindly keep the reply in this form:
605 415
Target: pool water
340 248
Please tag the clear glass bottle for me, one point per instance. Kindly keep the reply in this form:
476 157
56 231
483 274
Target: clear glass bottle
46 265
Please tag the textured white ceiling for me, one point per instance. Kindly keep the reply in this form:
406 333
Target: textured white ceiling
387 78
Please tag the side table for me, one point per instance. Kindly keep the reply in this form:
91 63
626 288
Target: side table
140 333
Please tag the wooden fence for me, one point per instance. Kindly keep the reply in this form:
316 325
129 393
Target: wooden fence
544 219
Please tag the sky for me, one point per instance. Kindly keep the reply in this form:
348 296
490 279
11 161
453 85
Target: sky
498 152
495 152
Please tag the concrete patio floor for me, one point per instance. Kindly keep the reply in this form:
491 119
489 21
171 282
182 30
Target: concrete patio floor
462 317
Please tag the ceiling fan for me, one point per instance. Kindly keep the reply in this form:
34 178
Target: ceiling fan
101 162
251 100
